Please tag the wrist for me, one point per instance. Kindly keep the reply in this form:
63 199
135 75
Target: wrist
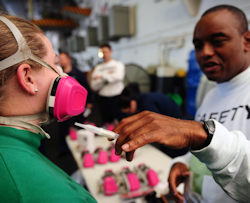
203 135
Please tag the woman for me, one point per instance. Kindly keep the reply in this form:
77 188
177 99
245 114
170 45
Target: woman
30 81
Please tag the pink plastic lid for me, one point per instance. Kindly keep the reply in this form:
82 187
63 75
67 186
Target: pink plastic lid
152 177
88 160
73 134
102 157
134 183
113 157
110 186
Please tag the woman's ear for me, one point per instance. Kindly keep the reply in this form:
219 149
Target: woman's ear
25 79
246 41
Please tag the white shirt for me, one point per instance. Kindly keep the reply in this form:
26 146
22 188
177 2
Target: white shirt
107 78
228 158
229 104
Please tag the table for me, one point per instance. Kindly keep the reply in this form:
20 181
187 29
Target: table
147 154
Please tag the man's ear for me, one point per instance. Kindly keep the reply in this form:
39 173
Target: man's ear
246 41
25 79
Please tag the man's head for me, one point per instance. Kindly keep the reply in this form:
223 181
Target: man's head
65 61
128 99
107 52
222 43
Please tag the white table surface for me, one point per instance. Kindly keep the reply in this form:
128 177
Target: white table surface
148 155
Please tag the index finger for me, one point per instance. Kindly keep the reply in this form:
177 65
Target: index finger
125 128
129 120
134 133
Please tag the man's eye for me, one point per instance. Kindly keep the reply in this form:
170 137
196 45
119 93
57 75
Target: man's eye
217 42
198 46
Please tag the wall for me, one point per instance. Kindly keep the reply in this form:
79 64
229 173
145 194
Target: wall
158 24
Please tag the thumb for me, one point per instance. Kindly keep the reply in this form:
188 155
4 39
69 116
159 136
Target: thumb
186 174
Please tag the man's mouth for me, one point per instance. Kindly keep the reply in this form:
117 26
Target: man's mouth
210 66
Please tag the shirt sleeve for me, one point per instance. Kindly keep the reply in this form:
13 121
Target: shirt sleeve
228 158
116 74
96 84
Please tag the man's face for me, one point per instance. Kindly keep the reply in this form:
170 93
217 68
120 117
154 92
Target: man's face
107 53
132 109
219 46
64 60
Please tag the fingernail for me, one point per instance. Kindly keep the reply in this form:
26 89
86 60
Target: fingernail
125 147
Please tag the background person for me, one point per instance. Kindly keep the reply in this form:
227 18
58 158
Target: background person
107 80
64 127
131 101
27 70
70 68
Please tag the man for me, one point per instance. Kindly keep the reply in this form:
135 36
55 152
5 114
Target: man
132 101
64 127
107 80
222 41
71 70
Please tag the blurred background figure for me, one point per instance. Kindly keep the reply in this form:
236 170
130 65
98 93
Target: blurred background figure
70 68
131 101
107 81
64 127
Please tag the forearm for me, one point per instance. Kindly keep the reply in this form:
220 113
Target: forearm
228 158
115 74
96 84
191 132
113 77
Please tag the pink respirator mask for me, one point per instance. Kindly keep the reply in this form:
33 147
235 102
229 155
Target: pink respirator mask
66 98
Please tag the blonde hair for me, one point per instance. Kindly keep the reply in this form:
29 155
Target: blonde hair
8 44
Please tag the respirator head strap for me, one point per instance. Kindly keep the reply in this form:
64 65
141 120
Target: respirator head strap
23 51
52 96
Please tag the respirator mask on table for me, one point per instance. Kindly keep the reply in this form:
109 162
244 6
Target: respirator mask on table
66 97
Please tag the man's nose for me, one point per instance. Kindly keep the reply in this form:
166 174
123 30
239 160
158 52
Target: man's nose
207 50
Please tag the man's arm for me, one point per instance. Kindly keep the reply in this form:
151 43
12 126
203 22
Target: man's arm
147 127
115 74
227 156
96 82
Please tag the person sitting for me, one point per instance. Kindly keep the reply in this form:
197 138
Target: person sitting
131 101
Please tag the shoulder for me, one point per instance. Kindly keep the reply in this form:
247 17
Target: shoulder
117 62
8 188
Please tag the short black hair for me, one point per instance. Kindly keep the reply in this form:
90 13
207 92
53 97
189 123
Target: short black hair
64 52
105 45
128 94
238 13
